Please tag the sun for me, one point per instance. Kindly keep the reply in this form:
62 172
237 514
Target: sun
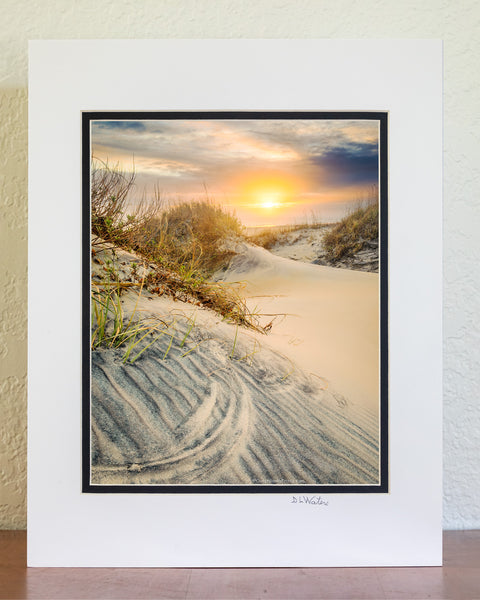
268 204
269 200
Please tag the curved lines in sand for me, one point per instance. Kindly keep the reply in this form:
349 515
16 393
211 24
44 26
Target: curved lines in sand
293 440
312 437
195 424
228 441
341 421
155 375
307 458
103 445
212 418
366 421
292 444
275 452
345 446
212 433
139 413
117 419
362 440
274 442
258 463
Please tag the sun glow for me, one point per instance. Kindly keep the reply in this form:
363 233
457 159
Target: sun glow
266 190
269 199
269 204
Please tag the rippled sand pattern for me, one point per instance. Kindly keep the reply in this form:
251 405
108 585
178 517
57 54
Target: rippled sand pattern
211 418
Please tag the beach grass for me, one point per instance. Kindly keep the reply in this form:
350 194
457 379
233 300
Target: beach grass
270 236
183 243
187 237
111 328
114 216
353 232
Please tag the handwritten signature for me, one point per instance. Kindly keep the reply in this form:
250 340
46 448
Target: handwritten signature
317 500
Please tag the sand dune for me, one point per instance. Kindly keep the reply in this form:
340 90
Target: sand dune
307 244
331 323
299 406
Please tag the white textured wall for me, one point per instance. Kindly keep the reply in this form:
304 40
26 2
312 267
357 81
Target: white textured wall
456 22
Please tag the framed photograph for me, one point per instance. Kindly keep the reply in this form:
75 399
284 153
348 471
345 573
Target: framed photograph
239 353
235 293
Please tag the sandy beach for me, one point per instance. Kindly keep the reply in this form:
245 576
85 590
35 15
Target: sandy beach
213 403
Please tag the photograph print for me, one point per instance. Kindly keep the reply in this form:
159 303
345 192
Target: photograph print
235 331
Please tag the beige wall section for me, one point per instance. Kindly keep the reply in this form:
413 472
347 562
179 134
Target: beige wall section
13 306
458 23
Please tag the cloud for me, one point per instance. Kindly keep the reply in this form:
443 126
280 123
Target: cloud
182 155
349 165
119 125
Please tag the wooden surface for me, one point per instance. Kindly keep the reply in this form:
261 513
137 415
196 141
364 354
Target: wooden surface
459 578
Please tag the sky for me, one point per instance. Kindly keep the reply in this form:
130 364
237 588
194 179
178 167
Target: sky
269 172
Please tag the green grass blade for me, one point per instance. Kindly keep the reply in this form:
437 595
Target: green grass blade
169 346
192 349
192 323
134 344
147 346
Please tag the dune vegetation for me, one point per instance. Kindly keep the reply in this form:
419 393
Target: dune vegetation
353 233
189 236
183 245
269 237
